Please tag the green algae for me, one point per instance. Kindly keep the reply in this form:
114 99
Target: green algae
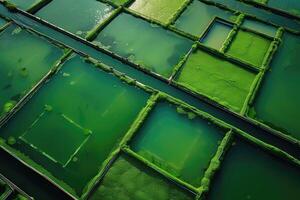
198 15
160 57
249 47
19 70
152 141
217 79
77 17
269 177
99 111
129 179
157 9
278 86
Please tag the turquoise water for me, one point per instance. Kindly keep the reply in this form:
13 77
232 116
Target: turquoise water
260 27
2 22
83 112
181 144
248 172
76 16
216 36
129 179
291 6
278 99
20 71
196 18
24 4
143 43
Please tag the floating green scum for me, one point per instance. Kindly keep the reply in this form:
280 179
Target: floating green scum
149 99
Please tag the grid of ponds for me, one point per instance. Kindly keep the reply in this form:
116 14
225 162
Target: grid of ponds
79 120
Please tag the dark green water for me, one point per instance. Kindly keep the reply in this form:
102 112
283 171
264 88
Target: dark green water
128 179
2 22
76 16
196 18
20 70
216 35
143 43
291 6
80 110
278 99
181 144
260 27
247 172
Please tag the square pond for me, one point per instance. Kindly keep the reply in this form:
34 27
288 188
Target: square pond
178 142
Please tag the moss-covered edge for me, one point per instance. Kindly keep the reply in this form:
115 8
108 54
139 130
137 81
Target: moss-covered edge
215 164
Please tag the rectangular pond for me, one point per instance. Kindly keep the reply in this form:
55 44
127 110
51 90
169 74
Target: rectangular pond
76 115
24 4
249 47
224 82
76 16
149 45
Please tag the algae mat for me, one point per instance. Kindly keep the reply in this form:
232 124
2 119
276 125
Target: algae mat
85 135
161 10
147 184
248 172
151 46
20 71
249 47
222 81
78 17
178 142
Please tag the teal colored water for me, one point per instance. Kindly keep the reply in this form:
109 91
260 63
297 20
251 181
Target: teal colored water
20 70
260 27
181 144
129 179
76 106
143 43
76 16
248 172
278 98
2 22
24 4
216 36
196 18
291 6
